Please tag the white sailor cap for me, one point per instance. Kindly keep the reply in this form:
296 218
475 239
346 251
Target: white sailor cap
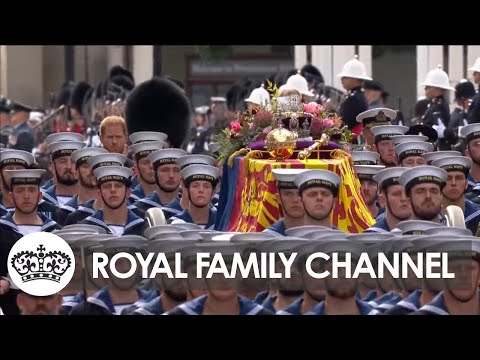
81 156
377 116
145 136
108 159
15 157
365 157
423 174
153 231
412 148
434 155
343 246
200 172
448 231
315 178
112 173
187 160
165 156
372 238
26 176
202 110
470 132
144 149
454 163
125 241
400 139
465 247
64 148
367 172
218 99
389 176
64 136
88 228
386 132
169 248
415 227
285 178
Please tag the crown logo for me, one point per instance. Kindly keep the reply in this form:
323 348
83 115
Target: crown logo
40 265
381 116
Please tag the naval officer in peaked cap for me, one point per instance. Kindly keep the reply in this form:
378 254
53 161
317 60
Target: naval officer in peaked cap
372 118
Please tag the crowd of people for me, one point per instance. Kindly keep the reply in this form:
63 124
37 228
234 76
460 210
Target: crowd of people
101 182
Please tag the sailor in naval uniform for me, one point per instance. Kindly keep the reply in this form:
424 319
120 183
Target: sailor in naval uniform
340 298
56 137
66 183
288 199
423 186
11 160
24 220
471 134
460 295
318 190
173 292
144 168
369 186
199 182
114 188
458 168
167 178
198 159
90 206
222 297
393 198
365 157
384 144
409 154
87 189
119 293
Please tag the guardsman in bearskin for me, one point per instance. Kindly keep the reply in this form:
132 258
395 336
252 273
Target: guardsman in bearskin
464 93
167 177
114 188
352 77
288 199
24 220
87 189
474 109
458 168
393 198
198 182
438 112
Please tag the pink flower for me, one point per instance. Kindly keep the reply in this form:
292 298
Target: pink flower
310 107
251 127
267 130
327 123
235 126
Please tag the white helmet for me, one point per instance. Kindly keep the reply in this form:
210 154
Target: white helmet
299 83
354 69
476 66
259 96
437 78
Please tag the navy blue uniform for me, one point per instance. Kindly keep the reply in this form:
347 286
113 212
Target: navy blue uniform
473 115
195 307
185 216
25 138
171 209
277 229
438 109
354 104
434 307
364 308
135 225
406 306
380 226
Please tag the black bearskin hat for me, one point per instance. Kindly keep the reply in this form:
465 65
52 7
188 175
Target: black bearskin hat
119 70
177 82
78 94
123 81
63 95
311 73
159 105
